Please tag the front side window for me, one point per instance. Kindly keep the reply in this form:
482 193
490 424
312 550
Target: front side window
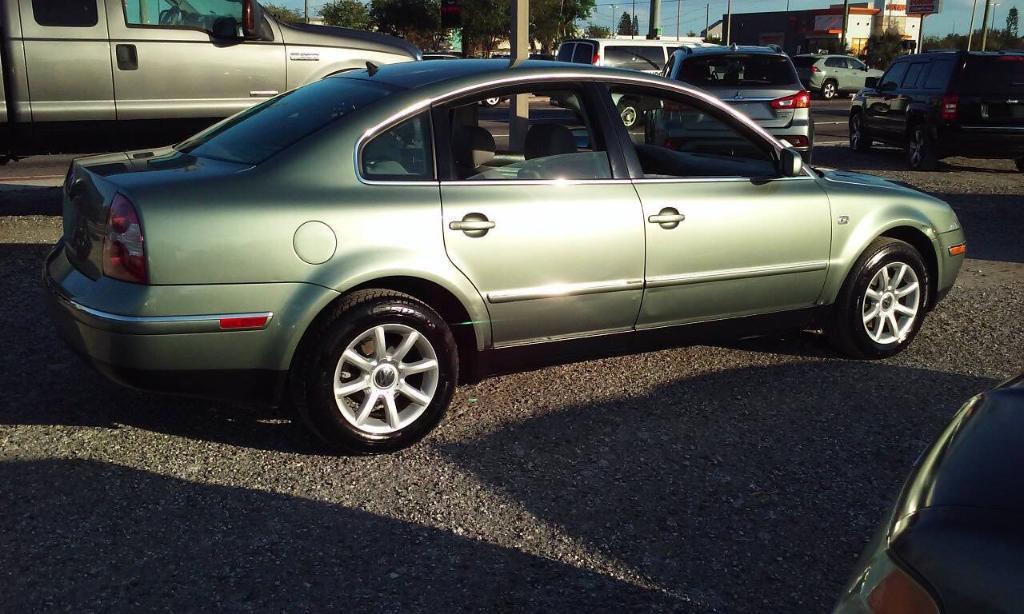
254 135
205 15
856 64
634 57
675 138
560 141
65 13
739 70
892 77
402 153
835 63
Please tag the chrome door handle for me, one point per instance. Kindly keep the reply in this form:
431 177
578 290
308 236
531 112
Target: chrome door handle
473 224
668 218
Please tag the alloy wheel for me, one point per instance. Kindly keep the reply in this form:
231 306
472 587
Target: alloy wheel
829 90
855 132
386 378
916 146
891 303
628 115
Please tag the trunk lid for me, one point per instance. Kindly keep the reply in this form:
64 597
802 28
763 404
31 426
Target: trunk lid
991 91
757 104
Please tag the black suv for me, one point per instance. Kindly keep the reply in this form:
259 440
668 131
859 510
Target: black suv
945 103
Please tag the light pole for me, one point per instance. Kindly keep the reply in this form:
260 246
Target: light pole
984 25
728 22
970 30
679 6
654 20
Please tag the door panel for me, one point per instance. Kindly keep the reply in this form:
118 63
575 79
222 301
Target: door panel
187 73
68 67
744 248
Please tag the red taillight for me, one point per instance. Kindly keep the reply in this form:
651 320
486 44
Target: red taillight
124 250
815 69
596 60
949 107
796 140
898 593
800 100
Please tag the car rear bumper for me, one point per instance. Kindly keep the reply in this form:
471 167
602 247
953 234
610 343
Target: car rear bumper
982 141
186 353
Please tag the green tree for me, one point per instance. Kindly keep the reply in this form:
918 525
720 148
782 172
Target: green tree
884 48
283 13
1012 22
346 13
625 25
485 23
418 21
595 31
554 20
636 25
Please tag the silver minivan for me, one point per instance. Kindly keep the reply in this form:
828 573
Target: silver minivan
633 53
759 81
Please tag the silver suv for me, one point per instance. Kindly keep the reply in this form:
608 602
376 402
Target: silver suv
759 81
831 75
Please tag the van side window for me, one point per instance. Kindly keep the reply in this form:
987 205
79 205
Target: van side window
206 15
402 153
65 13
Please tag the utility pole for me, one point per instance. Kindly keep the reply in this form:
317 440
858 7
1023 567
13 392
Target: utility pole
655 20
984 24
679 4
306 12
728 22
613 21
707 20
846 24
920 34
519 109
970 30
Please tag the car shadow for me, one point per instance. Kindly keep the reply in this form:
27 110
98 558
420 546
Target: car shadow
716 486
22 199
886 158
83 535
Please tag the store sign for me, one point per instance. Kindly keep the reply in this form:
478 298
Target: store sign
924 7
895 7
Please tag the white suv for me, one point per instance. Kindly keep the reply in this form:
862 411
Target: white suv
634 53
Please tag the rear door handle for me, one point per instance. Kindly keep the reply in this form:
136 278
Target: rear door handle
668 218
127 57
473 224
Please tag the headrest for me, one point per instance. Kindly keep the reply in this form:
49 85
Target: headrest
544 140
473 146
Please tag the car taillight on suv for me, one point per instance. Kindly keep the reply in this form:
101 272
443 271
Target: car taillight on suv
596 60
124 246
800 100
950 103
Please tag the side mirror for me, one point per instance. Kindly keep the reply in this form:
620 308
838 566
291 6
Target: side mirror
252 19
791 164
871 82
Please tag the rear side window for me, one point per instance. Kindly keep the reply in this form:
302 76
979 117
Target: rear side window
739 70
583 54
894 76
993 75
262 131
565 52
914 74
634 57
835 63
65 13
938 77
402 153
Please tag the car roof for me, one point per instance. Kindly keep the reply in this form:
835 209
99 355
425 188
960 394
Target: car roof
725 50
634 42
410 75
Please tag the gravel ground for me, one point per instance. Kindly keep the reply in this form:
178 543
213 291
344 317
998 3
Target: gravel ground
732 478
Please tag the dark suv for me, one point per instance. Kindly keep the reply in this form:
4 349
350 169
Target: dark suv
945 103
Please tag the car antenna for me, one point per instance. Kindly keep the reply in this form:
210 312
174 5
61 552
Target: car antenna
372 68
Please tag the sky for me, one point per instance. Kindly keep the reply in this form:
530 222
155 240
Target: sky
955 15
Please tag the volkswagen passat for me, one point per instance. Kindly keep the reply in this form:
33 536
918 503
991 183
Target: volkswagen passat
358 245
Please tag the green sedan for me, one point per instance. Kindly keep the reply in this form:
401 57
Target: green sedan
358 246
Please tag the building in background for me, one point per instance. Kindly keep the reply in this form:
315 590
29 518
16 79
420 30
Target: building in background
820 30
714 31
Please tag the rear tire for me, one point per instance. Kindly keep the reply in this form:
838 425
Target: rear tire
365 397
857 328
860 139
921 154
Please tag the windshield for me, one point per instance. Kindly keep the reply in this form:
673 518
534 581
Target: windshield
994 74
254 135
739 70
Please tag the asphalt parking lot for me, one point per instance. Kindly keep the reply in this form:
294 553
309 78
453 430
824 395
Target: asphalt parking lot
742 477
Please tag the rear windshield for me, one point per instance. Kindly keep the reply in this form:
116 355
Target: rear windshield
993 74
804 61
739 70
635 57
565 52
254 135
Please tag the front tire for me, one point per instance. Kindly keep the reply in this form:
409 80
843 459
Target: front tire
376 374
860 140
829 89
882 304
921 154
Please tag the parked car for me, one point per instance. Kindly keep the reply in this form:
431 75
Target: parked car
953 542
635 54
361 243
943 104
103 71
832 75
758 81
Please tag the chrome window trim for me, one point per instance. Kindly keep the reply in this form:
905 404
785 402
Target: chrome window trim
663 281
718 179
501 345
554 75
551 182
560 290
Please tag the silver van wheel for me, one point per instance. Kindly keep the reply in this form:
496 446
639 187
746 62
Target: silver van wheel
891 303
386 378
